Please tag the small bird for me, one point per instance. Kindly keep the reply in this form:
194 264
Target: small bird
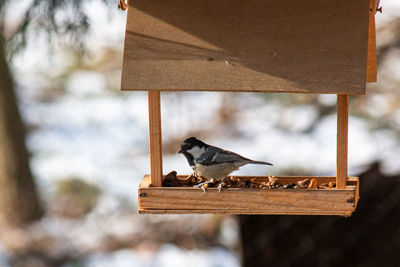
212 162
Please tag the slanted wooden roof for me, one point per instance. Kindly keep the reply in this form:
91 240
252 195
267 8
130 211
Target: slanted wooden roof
306 46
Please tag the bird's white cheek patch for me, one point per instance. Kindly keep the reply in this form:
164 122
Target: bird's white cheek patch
196 151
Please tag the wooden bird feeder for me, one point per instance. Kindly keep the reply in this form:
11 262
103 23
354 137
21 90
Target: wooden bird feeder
287 46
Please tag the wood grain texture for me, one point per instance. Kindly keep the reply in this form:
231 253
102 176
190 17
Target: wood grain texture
162 200
375 5
372 72
155 138
246 212
342 142
357 192
304 46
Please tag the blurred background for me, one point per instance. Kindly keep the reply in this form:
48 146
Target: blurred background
74 148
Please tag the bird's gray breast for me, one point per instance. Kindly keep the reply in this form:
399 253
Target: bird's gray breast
216 171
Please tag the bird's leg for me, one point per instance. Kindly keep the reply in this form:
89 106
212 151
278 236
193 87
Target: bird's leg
201 185
221 184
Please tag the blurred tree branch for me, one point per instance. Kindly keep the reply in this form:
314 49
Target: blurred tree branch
63 20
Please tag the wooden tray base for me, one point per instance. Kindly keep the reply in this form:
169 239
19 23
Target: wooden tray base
188 200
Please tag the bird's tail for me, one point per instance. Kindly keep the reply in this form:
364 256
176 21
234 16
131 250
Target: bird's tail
260 162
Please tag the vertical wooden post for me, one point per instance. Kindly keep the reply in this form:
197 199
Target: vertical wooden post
155 138
342 134
371 55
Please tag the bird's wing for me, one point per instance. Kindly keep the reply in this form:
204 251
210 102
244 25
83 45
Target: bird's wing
215 155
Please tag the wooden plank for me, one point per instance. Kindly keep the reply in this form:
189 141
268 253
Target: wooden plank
372 72
155 138
357 193
376 6
234 45
247 199
342 142
239 212
146 182
160 200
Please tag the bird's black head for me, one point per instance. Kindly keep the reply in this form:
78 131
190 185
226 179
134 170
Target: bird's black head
191 142
187 147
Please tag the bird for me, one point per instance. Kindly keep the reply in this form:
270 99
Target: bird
212 162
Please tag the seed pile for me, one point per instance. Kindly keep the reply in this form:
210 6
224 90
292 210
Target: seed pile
171 180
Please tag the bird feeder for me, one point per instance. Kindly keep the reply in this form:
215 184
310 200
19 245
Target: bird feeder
286 46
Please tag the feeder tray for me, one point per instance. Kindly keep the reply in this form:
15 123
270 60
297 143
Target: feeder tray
164 200
288 46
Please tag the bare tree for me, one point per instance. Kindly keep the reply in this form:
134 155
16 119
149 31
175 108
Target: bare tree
19 200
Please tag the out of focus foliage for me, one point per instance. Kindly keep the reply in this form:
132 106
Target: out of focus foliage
64 21
77 197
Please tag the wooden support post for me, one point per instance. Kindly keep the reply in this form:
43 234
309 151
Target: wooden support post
155 138
371 55
342 134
